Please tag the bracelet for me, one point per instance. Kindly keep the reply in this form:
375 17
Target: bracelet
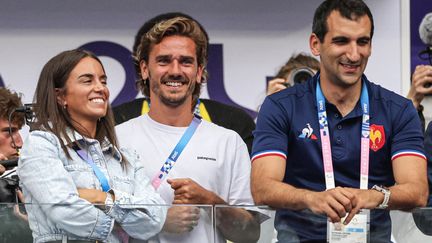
108 202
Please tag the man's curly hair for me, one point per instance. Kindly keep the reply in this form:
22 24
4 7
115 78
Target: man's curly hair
9 101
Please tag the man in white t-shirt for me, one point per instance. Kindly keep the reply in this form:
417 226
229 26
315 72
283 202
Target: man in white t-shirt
213 167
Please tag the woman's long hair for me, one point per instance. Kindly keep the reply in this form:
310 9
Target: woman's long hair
52 116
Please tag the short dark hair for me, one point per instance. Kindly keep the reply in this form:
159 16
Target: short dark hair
298 61
140 51
9 101
350 9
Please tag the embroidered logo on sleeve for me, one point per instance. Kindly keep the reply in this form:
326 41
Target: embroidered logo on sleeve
377 137
307 132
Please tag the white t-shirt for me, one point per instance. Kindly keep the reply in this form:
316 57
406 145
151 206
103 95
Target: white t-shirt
215 157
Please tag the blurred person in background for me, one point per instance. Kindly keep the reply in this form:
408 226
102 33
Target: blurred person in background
297 69
10 138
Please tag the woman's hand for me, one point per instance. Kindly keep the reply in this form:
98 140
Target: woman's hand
94 196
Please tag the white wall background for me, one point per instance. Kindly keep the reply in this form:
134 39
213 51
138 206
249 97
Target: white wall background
258 37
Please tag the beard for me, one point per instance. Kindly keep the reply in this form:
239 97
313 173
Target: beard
173 98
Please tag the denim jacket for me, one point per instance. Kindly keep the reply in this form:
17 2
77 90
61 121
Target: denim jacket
49 181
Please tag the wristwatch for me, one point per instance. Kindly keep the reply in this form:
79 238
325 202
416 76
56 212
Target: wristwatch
386 193
108 202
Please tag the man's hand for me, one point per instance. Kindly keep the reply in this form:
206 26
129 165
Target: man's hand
187 191
3 157
421 84
276 85
335 203
16 209
363 199
338 202
2 168
181 219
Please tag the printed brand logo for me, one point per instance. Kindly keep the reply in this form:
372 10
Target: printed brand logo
307 132
205 158
377 137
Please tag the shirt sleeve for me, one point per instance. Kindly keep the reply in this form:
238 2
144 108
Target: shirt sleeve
141 214
428 150
271 133
407 137
240 192
47 185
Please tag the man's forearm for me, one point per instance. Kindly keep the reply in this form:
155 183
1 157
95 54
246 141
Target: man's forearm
411 187
408 196
279 195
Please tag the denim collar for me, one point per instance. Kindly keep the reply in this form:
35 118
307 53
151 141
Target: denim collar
106 146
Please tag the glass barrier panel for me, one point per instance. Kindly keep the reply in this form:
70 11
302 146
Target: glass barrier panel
187 223
184 223
233 223
14 225
244 224
415 226
220 224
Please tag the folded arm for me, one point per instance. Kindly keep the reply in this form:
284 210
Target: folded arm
141 213
47 186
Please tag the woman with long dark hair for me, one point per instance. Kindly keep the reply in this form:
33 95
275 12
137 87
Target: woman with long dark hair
78 185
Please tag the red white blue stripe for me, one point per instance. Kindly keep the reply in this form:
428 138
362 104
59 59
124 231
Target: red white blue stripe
408 153
268 153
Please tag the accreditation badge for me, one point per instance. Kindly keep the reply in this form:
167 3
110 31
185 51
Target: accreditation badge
357 231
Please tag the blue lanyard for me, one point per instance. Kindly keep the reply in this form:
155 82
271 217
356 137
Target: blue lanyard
178 149
197 108
101 177
325 138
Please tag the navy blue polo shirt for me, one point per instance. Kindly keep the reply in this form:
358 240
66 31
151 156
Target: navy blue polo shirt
287 126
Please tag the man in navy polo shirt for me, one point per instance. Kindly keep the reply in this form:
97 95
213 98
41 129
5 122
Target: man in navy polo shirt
337 144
